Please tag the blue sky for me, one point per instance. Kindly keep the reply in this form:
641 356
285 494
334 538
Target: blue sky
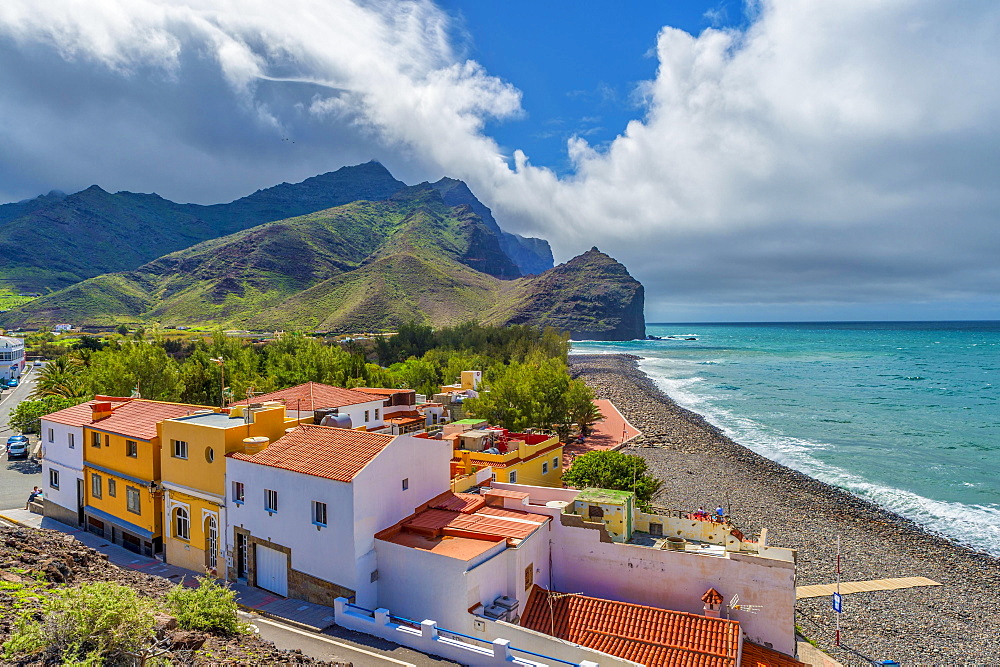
806 161
576 63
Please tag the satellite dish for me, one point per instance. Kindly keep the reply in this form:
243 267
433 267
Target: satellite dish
735 605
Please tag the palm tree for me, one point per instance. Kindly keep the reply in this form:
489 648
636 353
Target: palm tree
61 377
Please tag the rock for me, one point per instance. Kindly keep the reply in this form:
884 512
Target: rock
187 640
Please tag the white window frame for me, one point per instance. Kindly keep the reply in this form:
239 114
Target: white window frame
96 488
376 414
545 467
53 478
270 501
555 462
319 512
239 493
182 523
179 449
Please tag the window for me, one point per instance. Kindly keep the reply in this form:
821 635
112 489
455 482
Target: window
132 500
529 576
406 483
52 435
270 500
373 577
367 414
70 440
595 512
376 414
112 487
545 467
512 477
132 448
209 454
238 493
555 463
319 513
180 449
182 524
107 440
95 439
53 478
95 485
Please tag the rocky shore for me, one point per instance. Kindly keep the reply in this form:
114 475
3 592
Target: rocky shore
957 623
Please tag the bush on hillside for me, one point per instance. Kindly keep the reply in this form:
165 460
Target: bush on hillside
207 608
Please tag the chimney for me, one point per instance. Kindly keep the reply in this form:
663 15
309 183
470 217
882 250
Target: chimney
100 410
713 603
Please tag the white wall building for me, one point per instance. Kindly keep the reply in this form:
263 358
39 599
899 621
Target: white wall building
304 511
304 400
11 357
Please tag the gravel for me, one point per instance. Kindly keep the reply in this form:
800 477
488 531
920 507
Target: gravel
957 623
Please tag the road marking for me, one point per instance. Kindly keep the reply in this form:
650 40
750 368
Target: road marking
326 639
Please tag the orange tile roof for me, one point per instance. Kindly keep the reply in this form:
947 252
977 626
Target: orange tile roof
755 655
458 502
138 418
642 634
323 451
80 415
313 396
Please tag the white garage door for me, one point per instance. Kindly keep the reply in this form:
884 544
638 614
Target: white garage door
272 570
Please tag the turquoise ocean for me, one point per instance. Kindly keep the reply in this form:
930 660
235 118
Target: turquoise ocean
905 414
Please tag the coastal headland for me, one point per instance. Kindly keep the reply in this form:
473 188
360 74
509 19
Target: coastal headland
957 623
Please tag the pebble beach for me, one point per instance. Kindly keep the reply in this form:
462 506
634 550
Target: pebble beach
957 623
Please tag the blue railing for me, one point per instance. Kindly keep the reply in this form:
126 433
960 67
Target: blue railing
547 657
465 636
367 612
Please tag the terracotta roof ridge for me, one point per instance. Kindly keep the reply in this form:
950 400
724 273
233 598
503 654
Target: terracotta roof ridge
647 642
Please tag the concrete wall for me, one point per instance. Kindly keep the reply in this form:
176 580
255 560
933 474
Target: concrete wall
323 552
68 461
380 500
498 646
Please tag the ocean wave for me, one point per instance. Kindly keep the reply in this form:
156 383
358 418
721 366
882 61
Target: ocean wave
977 526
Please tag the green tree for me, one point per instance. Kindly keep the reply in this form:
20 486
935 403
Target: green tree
614 470
27 415
117 370
62 376
580 406
522 395
422 376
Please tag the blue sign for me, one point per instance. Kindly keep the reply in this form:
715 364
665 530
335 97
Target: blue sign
837 603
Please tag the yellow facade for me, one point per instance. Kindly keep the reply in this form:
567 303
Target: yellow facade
195 481
129 499
538 464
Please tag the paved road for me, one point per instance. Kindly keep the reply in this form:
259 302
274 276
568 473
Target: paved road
341 645
17 476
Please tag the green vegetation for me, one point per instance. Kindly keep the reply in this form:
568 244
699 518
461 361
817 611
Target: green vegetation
614 470
87 625
208 608
25 417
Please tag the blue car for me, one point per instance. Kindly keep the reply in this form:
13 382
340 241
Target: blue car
12 382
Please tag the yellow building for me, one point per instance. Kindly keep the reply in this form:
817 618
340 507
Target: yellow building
516 458
123 500
193 470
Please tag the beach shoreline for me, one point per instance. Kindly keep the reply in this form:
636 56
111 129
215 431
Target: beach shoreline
956 623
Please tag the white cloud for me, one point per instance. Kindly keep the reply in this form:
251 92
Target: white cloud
831 153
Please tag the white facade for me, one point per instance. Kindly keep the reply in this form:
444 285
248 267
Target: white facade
11 357
343 551
358 413
62 452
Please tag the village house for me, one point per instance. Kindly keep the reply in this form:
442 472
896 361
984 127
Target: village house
311 401
305 510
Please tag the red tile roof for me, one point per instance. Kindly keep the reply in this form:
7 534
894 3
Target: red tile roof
642 634
755 655
80 415
138 419
313 396
458 502
323 451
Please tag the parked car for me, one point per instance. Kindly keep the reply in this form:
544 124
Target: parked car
17 447
37 363
12 382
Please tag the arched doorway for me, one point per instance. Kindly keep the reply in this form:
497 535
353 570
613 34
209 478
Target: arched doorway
211 543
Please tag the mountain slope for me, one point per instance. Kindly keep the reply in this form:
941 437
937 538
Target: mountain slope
56 240
362 266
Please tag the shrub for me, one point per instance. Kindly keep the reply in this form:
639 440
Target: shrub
208 608
614 470
88 624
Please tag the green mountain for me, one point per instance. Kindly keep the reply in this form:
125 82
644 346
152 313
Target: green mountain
362 266
57 240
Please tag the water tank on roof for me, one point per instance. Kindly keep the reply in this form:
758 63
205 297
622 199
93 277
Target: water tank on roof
320 413
337 421
255 444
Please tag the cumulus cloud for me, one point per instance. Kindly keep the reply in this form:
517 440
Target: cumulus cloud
827 155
